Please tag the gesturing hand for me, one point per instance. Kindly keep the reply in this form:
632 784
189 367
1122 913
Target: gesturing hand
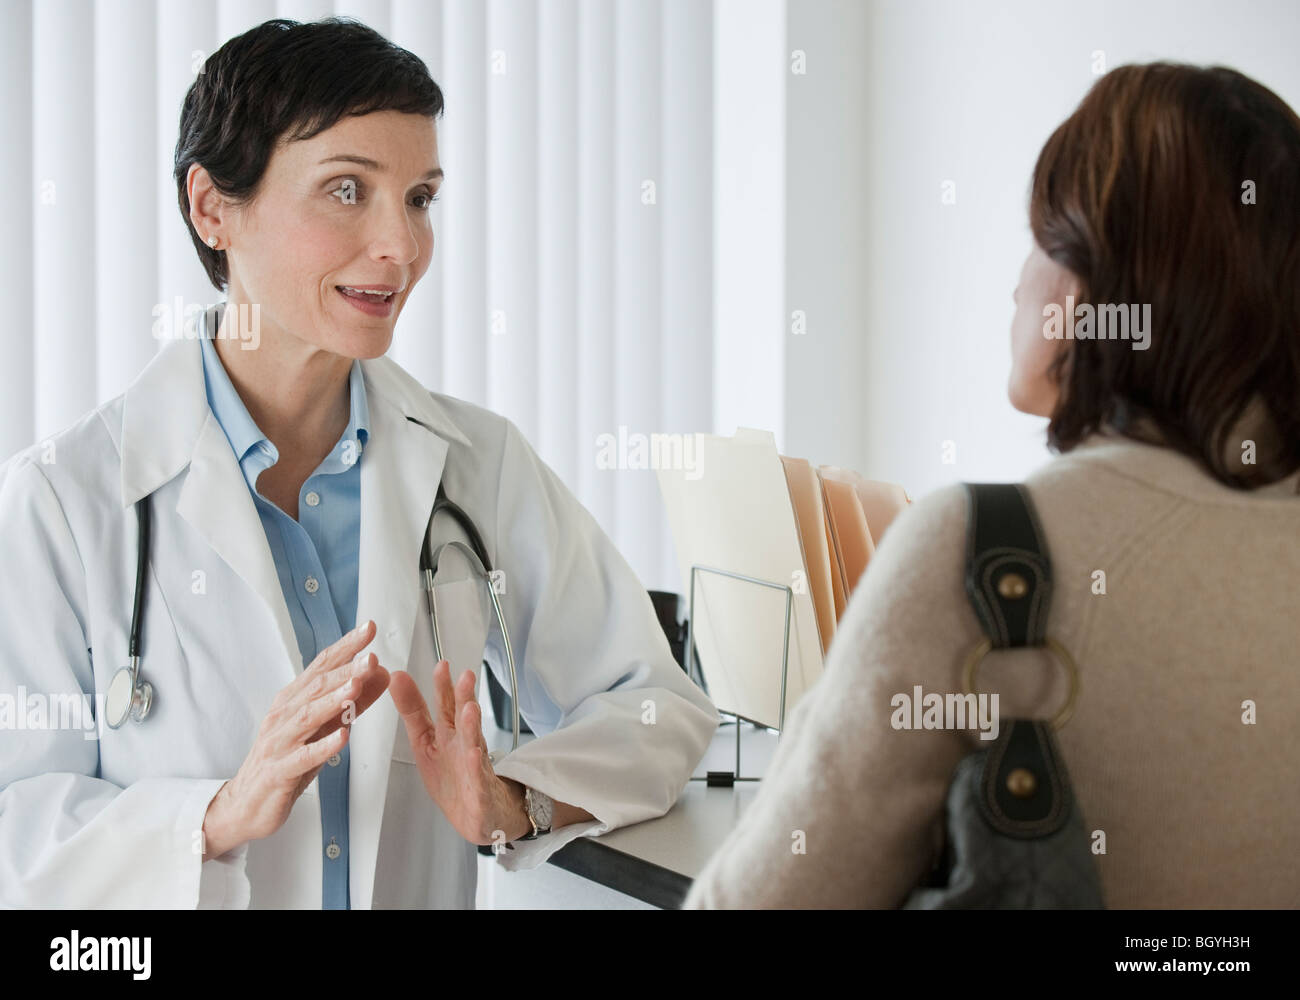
452 756
307 724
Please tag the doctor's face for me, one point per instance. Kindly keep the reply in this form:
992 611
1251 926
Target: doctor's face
346 209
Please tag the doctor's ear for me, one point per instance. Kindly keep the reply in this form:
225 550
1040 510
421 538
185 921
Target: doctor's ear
205 202
211 214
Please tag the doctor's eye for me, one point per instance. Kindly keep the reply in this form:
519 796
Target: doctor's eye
346 192
351 190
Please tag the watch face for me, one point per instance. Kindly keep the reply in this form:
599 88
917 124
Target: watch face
540 808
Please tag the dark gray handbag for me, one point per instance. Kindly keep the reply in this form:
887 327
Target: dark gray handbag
1015 837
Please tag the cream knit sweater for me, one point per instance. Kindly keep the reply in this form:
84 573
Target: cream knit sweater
1201 614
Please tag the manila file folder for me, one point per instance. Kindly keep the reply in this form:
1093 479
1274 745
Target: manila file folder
734 513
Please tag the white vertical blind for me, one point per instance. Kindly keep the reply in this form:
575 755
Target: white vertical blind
309 10
637 313
595 216
557 229
378 14
66 348
17 270
513 248
185 35
463 150
686 211
123 156
234 17
571 285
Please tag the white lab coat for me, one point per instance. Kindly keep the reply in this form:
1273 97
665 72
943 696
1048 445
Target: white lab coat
114 820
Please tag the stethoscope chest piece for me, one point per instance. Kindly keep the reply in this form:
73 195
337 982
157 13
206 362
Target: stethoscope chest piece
126 697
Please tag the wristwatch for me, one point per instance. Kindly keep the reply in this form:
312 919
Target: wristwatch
540 809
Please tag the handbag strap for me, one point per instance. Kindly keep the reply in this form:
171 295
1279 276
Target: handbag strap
1009 583
1008 572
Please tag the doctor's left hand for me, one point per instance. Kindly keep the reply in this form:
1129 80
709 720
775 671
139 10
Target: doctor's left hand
452 756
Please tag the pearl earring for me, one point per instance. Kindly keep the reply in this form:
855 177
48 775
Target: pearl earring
212 242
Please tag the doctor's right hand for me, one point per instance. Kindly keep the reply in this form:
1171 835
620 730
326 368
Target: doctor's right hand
308 723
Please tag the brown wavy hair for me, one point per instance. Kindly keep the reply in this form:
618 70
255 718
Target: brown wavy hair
1144 194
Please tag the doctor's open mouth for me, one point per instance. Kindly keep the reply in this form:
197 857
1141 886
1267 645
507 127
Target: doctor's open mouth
373 300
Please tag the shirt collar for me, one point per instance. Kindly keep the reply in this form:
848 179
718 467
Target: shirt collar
155 451
242 431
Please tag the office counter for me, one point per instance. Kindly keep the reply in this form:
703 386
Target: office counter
647 865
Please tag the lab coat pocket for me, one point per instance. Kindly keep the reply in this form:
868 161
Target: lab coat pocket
462 611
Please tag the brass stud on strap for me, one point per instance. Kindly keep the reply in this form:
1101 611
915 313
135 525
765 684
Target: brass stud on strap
1021 783
1012 586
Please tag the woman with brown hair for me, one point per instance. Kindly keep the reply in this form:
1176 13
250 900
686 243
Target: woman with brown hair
1158 327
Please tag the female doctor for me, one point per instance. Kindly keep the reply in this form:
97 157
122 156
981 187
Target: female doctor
290 471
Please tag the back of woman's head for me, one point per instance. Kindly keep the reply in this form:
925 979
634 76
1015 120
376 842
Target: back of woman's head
1179 187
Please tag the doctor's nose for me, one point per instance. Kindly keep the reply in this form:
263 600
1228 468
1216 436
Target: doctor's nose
393 237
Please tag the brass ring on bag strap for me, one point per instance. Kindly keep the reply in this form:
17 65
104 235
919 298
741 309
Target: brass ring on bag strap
984 645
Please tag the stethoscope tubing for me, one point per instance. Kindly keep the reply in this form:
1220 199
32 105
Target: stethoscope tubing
142 693
482 564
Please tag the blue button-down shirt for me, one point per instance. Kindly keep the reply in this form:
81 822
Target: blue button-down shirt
317 559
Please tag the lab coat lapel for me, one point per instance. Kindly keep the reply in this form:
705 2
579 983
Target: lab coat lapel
216 501
400 470
167 426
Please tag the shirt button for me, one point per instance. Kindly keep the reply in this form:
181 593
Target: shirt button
312 498
333 851
335 760
311 585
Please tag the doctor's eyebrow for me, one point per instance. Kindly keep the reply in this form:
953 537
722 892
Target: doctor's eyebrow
365 161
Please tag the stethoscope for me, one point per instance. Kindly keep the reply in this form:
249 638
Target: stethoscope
481 565
129 696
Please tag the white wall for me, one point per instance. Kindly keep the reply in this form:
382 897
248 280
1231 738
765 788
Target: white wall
828 146
749 249
969 92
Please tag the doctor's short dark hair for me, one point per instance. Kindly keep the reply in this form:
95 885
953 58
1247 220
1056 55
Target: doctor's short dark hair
286 80
1178 187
